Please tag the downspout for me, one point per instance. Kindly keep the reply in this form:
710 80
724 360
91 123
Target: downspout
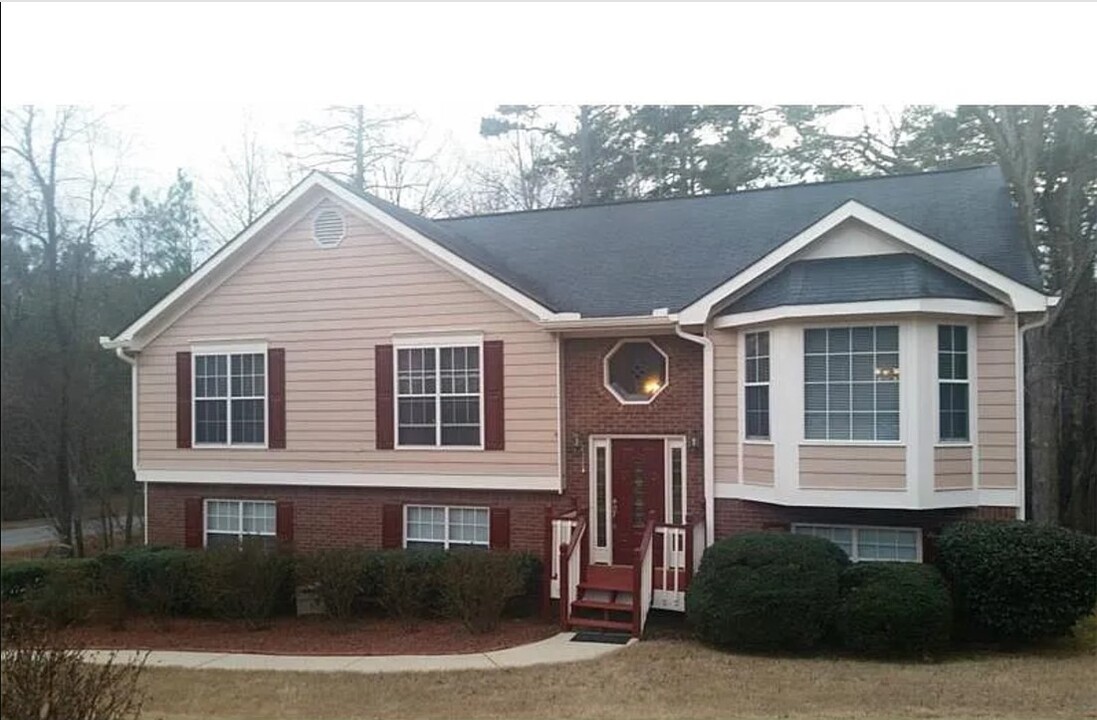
132 362
1020 364
709 441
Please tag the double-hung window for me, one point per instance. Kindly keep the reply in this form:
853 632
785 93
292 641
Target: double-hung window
756 387
952 383
866 543
440 526
231 522
230 398
851 383
438 396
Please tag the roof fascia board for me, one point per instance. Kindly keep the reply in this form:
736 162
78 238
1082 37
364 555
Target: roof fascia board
433 250
1022 297
937 306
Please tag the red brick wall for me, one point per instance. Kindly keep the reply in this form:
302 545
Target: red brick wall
591 409
738 516
326 517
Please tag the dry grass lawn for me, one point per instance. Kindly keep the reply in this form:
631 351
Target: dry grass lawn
655 679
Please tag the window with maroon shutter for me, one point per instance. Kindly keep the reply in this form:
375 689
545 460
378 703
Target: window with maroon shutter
382 381
193 523
182 400
500 528
494 425
276 392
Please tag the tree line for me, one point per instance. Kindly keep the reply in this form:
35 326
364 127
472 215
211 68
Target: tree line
84 253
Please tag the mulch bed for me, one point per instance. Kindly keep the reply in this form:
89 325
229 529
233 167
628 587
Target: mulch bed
311 636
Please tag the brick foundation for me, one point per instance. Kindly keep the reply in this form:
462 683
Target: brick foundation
327 517
739 516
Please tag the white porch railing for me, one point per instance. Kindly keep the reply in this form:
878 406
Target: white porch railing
642 574
562 529
572 558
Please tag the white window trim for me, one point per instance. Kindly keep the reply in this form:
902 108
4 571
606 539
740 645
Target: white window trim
240 534
768 439
229 350
434 342
445 544
804 439
601 553
671 445
605 371
970 382
855 533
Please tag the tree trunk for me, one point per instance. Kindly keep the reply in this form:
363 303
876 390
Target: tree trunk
131 502
1042 402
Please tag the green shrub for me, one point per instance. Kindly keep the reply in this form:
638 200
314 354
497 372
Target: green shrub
247 583
338 578
67 592
410 583
894 608
111 580
164 582
1018 582
18 578
766 591
478 585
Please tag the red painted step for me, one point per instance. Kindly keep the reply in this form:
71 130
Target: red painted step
602 624
601 605
608 577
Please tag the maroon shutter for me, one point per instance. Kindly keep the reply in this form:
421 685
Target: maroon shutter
382 380
276 392
182 399
392 526
283 521
192 522
494 426
499 529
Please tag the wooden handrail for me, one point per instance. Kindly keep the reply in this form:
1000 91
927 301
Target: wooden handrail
566 551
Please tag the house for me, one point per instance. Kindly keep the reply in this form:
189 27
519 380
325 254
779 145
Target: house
612 387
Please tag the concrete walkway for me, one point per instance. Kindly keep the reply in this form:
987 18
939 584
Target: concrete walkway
553 650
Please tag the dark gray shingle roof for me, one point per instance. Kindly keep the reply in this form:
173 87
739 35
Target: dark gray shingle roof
632 257
872 277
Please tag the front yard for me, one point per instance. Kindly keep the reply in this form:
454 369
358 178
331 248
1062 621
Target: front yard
655 679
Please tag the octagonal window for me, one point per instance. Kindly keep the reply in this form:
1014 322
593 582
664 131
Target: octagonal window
636 371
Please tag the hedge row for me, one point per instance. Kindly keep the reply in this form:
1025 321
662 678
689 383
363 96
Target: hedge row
254 585
1007 583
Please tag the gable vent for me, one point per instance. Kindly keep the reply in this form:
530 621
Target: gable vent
328 228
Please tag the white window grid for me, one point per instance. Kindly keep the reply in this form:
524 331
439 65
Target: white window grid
756 374
431 388
856 540
881 375
228 387
240 518
956 358
447 526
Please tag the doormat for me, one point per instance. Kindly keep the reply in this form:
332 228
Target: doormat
613 638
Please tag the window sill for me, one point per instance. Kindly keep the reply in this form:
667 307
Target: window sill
957 444
437 448
236 446
852 443
757 441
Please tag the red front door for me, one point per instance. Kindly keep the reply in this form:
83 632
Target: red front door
638 475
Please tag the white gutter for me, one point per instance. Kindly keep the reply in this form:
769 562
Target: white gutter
122 355
567 321
709 394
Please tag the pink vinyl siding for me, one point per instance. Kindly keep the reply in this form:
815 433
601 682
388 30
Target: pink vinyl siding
757 464
726 410
328 308
952 468
853 467
996 401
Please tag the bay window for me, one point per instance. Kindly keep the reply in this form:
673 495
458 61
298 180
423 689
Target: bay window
952 383
851 383
756 386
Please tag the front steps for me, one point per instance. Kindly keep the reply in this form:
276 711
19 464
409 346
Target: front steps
605 599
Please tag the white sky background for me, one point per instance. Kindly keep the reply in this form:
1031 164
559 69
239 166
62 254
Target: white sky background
185 78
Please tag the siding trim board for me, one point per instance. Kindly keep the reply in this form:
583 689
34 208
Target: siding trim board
348 479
